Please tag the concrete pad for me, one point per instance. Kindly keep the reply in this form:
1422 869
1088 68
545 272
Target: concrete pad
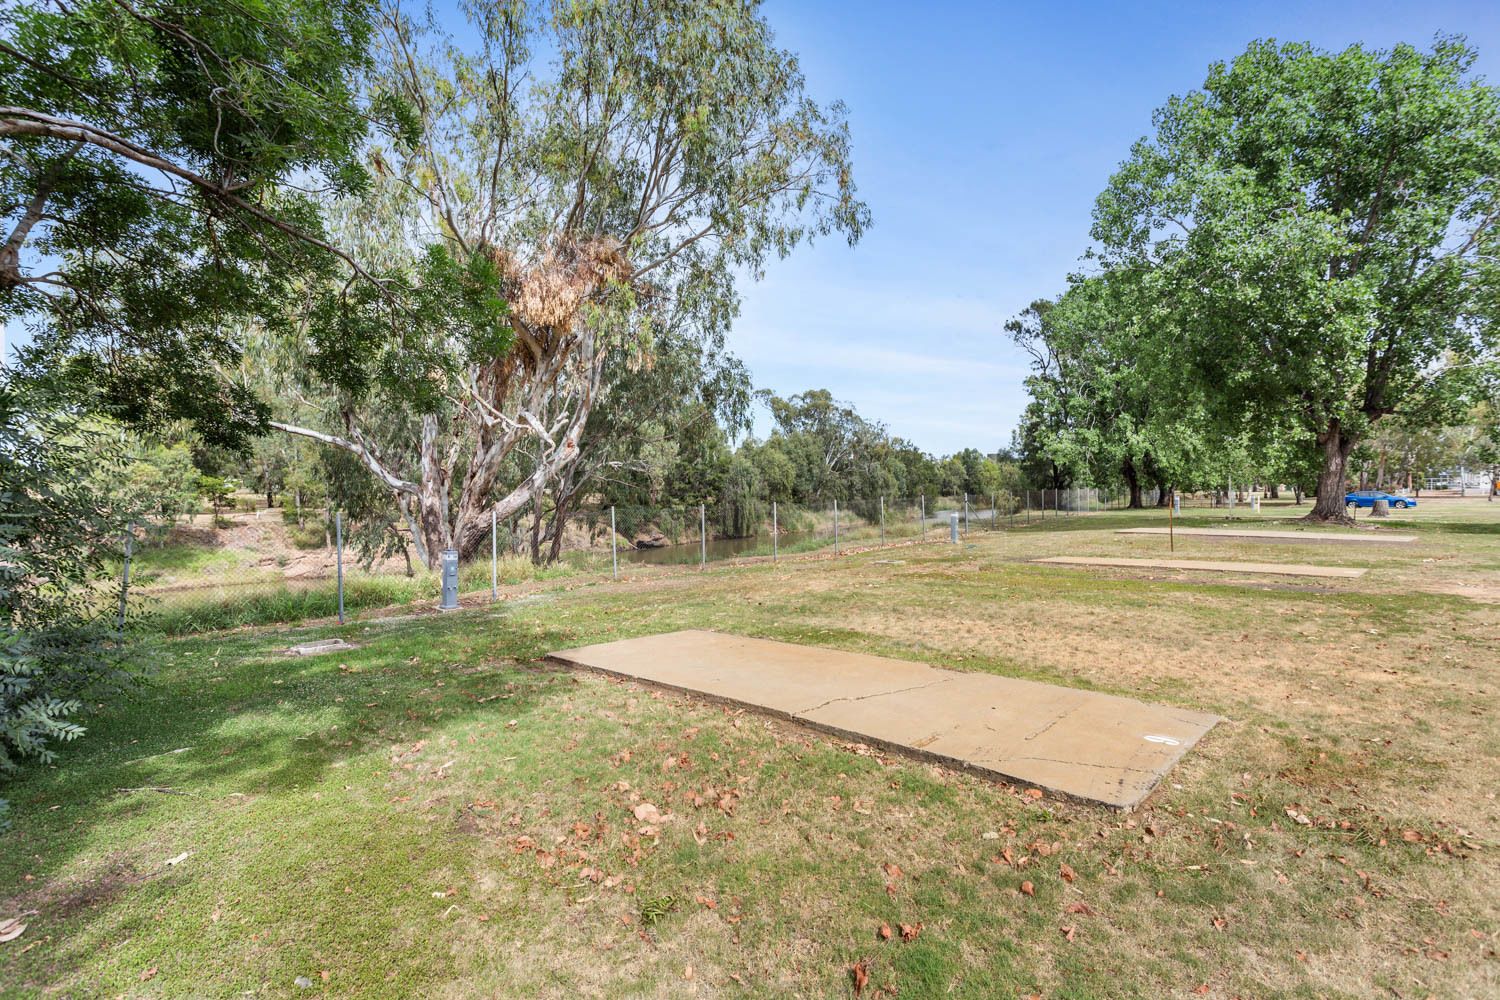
1079 744
1281 569
1293 536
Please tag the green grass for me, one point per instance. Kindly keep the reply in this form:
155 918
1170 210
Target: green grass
441 813
215 609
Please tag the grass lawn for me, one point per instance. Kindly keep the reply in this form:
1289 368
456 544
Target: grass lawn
441 814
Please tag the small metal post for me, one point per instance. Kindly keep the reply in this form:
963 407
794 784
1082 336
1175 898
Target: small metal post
953 527
966 513
338 534
702 537
449 566
125 573
835 527
882 520
994 511
775 534
1171 525
614 549
922 514
494 556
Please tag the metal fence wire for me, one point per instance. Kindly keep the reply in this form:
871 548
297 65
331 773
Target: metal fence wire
246 562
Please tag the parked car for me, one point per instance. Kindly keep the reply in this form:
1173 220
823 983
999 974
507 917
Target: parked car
1367 498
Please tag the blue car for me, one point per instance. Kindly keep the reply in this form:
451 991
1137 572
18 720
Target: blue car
1367 498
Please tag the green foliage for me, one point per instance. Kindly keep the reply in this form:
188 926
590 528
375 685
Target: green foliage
161 169
216 492
1316 234
59 646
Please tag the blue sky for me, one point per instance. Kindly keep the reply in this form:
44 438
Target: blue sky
982 133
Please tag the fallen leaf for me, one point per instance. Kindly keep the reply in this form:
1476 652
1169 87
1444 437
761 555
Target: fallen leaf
1033 793
1027 889
909 932
1082 909
1201 989
148 974
859 972
1068 932
1066 872
885 932
647 813
892 870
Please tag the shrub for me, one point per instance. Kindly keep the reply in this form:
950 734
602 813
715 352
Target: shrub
61 646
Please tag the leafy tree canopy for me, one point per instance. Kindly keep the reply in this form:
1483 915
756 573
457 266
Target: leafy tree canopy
160 168
1319 234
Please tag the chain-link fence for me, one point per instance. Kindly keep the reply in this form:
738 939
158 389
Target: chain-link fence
245 563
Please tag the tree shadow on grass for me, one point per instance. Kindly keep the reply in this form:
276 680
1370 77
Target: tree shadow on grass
229 720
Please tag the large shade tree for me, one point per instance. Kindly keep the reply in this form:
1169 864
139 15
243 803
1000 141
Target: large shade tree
1321 234
159 171
618 165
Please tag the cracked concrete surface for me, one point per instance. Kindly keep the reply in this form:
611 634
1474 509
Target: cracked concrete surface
1080 744
1290 536
1211 566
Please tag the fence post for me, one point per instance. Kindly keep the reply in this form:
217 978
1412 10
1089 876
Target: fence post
882 519
775 534
494 556
614 551
966 513
835 527
922 513
702 537
125 573
338 535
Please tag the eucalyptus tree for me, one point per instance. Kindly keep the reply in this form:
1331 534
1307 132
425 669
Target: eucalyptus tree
1321 230
616 165
159 167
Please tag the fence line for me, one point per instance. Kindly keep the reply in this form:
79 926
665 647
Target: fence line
253 564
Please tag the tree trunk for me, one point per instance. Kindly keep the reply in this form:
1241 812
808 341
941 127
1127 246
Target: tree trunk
1273 492
1336 447
1133 481
1163 495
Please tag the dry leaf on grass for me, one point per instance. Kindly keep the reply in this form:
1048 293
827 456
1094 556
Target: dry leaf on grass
885 932
909 932
1068 931
1083 909
1066 872
1027 889
647 813
859 973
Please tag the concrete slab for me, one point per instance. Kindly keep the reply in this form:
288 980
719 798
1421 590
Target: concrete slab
1209 565
1079 744
1292 536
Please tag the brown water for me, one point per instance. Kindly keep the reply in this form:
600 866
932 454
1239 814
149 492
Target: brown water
718 548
